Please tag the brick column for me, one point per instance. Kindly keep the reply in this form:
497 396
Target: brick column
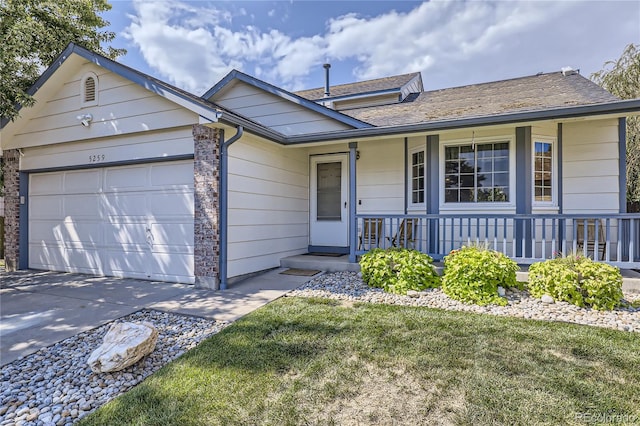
206 165
11 158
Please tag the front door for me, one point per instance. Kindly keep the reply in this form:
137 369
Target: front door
329 221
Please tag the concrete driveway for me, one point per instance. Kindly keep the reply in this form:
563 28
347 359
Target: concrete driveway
38 309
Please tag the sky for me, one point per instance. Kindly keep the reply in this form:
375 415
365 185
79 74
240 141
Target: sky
193 44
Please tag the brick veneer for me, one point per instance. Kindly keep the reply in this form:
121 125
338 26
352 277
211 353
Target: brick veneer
11 209
206 167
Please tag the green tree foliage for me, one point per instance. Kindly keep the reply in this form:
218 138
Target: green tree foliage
622 78
34 32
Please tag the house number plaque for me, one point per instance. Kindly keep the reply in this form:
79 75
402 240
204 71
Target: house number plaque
96 158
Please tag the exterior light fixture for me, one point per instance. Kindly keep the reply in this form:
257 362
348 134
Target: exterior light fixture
85 119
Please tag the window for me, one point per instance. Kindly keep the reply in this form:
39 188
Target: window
417 177
543 172
89 89
477 173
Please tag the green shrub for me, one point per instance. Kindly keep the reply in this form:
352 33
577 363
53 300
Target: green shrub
473 274
578 280
397 270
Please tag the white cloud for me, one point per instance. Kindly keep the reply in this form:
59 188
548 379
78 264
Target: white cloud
194 45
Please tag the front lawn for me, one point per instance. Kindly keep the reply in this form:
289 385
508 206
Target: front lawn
317 361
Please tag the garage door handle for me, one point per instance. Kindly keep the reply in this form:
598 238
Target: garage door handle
150 238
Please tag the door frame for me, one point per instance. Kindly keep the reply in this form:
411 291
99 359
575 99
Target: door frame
340 243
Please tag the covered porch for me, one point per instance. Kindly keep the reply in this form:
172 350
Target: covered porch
532 192
526 238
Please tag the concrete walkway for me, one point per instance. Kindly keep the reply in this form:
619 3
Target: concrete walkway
38 309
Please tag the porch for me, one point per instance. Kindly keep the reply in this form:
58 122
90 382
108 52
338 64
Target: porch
614 239
526 238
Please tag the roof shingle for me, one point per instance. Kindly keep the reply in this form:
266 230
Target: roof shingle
538 92
386 83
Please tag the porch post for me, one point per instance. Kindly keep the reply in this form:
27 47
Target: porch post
560 178
353 223
433 188
523 189
622 167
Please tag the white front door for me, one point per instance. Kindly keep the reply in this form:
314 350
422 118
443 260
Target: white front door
329 211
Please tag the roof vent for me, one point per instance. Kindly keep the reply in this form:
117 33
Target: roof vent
569 71
326 79
89 90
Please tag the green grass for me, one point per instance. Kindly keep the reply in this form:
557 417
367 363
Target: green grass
316 361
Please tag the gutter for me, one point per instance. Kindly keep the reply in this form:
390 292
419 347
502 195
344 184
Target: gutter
224 204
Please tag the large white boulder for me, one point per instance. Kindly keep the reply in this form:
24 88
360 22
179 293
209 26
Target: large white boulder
124 344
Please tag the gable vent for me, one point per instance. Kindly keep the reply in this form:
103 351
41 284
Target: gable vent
90 89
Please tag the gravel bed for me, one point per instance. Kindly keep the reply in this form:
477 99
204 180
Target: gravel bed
350 287
55 386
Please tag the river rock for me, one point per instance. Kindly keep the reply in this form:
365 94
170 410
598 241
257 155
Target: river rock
501 291
124 344
547 299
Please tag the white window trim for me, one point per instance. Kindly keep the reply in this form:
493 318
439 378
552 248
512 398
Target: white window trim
83 80
554 172
483 205
411 204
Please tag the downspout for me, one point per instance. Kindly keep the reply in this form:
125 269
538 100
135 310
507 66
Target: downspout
224 205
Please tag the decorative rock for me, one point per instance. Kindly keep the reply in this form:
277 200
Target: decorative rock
124 345
413 293
501 291
547 299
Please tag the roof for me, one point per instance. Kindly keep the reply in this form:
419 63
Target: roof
532 93
376 85
208 110
236 75
540 97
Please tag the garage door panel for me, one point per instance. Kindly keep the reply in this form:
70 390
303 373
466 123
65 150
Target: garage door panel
77 206
46 183
127 234
132 221
45 207
171 267
171 204
79 234
131 205
130 262
45 255
172 237
85 181
44 232
82 260
125 178
167 175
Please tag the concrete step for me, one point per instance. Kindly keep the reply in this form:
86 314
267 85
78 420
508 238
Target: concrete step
320 263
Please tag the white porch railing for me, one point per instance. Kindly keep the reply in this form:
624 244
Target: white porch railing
614 239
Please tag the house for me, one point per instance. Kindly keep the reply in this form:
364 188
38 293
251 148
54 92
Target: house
113 172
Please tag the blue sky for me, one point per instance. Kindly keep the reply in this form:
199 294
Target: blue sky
193 44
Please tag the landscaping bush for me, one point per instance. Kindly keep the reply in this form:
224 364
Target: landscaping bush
473 274
578 280
397 270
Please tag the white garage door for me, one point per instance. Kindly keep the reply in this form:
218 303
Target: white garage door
129 221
